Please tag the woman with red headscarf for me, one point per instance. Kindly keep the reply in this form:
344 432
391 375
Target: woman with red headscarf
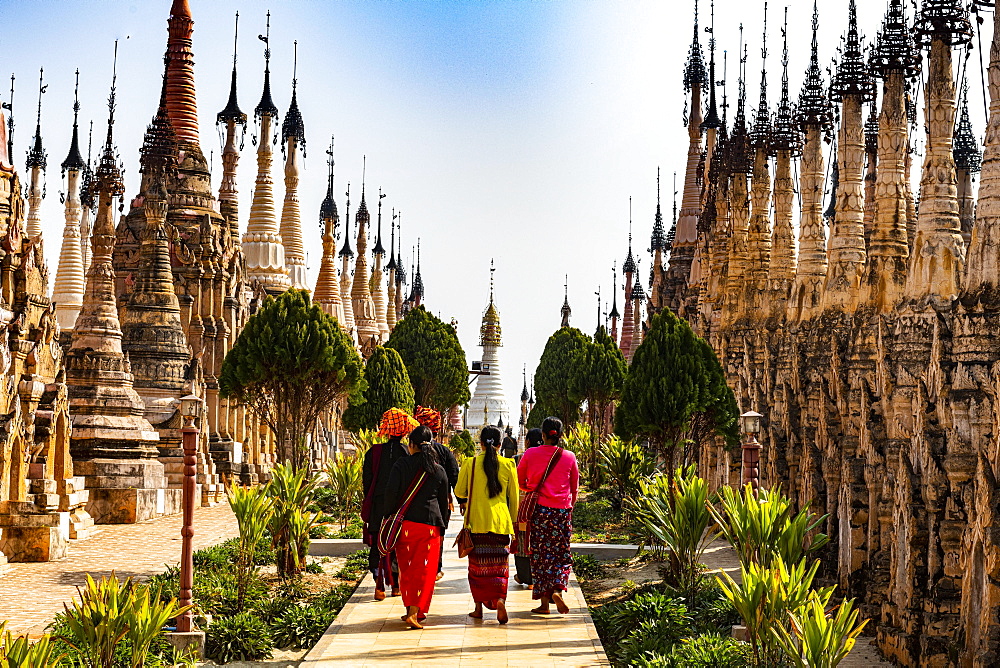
431 419
379 461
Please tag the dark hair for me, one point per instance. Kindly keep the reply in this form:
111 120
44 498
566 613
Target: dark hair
552 427
509 446
422 437
533 438
490 439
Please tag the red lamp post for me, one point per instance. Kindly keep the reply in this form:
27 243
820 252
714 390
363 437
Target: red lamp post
750 422
190 411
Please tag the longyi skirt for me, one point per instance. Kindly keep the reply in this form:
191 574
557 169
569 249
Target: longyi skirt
488 568
417 553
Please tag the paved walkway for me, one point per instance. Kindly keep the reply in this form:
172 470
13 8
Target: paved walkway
31 593
370 633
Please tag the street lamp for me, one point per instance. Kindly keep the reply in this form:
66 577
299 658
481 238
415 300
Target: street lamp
190 410
750 424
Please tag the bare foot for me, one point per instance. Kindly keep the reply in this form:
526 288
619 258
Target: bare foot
411 621
541 610
380 594
560 603
502 611
440 575
476 614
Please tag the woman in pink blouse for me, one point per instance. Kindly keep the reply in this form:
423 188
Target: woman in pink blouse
549 474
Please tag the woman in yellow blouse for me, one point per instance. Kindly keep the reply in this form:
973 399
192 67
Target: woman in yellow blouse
489 509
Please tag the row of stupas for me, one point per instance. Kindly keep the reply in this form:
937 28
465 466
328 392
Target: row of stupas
868 333
146 305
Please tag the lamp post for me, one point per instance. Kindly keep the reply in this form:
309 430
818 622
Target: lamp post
750 423
190 411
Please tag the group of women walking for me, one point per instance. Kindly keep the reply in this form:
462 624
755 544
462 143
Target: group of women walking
522 503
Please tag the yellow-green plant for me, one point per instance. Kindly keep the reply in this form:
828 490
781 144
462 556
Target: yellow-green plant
817 637
146 619
765 596
675 511
583 442
291 490
762 527
364 439
253 509
627 466
343 472
20 652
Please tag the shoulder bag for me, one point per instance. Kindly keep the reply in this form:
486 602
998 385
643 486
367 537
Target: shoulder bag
464 538
526 509
392 526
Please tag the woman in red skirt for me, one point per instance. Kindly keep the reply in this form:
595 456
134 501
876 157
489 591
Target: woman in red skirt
419 545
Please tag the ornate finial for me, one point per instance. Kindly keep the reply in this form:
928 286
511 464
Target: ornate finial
786 136
9 106
392 242
400 265
232 111
760 135
831 209
524 388
629 264
614 291
328 209
159 145
894 49
657 241
966 147
814 104
566 311
293 125
947 20
694 71
739 155
74 160
871 129
37 156
418 281
87 178
673 225
379 250
109 176
347 251
637 292
492 269
266 106
712 117
853 76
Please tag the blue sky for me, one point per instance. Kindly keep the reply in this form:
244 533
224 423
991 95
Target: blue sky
513 130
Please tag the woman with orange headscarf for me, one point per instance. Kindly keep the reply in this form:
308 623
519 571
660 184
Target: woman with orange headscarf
431 419
379 461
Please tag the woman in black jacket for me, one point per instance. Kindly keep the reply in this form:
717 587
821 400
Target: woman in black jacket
420 481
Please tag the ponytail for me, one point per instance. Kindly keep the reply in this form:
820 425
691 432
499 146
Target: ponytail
490 439
421 437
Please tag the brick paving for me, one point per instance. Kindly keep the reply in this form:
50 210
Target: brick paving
370 633
31 593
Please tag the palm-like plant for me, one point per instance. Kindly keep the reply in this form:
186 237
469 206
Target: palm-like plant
626 465
253 509
818 638
20 652
343 472
291 490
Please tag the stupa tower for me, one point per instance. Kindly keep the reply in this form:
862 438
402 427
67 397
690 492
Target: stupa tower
614 315
938 248
629 269
417 294
740 165
637 297
400 268
759 232
683 246
113 445
293 138
523 422
262 243
231 116
565 311
71 279
36 163
327 293
894 60
489 402
657 244
346 255
377 292
815 119
968 161
390 309
361 296
852 86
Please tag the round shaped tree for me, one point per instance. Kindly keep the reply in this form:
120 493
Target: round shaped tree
434 360
290 364
597 378
553 378
388 387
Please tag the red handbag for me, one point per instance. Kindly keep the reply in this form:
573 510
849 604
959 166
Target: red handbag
522 535
392 526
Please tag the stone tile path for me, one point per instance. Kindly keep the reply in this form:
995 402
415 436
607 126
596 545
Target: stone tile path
369 633
31 593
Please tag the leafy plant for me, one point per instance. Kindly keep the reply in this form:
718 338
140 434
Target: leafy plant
355 566
298 627
253 510
434 359
674 510
626 465
20 652
584 442
587 567
364 439
818 638
242 637
343 474
462 443
314 567
707 651
291 490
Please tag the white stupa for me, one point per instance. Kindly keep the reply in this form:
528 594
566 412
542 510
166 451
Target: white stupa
489 403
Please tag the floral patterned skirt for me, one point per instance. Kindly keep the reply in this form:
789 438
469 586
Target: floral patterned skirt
551 530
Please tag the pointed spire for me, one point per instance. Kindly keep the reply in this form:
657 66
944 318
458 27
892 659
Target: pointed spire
786 135
524 388
760 135
694 70
37 156
232 111
629 264
87 192
614 292
947 20
74 160
418 281
853 76
814 104
894 49
293 126
657 241
489 332
566 311
266 105
831 209
347 251
712 117
672 233
392 243
968 157
159 144
378 249
739 155
182 103
328 209
9 106
108 177
400 265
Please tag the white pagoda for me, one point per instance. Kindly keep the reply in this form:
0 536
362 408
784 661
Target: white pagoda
489 403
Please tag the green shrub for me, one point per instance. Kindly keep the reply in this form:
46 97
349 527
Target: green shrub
300 627
587 567
217 593
20 652
707 651
314 567
353 530
594 514
462 443
334 599
219 556
626 465
654 636
242 637
320 531
355 566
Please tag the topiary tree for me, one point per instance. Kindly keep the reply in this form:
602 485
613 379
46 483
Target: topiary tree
462 443
597 378
388 387
675 392
434 360
556 368
290 364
